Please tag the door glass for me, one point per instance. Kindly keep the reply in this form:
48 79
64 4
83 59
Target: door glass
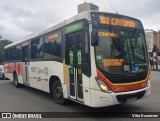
25 52
70 61
74 58
25 59
78 38
69 49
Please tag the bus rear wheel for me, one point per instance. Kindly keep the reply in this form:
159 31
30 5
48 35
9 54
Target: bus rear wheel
57 92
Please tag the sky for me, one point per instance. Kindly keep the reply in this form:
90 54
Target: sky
19 18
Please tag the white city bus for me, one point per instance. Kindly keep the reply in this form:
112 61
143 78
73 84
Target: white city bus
94 58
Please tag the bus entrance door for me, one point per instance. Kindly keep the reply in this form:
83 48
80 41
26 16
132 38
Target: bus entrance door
25 61
74 57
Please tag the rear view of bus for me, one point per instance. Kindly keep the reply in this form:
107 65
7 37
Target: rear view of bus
121 59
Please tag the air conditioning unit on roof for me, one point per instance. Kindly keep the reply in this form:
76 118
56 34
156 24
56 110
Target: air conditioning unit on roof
87 6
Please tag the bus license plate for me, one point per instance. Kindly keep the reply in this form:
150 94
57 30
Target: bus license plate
131 99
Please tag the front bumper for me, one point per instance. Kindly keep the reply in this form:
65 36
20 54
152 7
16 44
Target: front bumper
102 99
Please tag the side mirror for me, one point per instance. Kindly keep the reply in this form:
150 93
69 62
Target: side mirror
94 38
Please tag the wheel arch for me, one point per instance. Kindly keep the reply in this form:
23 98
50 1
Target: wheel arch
52 79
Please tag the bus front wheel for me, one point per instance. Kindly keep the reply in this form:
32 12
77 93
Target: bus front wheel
58 93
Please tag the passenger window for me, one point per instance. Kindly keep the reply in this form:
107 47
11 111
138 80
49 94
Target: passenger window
52 46
37 48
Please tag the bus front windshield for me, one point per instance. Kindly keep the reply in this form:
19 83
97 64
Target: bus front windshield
121 51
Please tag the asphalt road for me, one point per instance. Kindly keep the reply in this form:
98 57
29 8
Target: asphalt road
31 100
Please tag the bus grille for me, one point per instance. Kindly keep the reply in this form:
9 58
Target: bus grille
123 98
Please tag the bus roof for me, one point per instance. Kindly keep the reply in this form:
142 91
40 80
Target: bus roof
82 15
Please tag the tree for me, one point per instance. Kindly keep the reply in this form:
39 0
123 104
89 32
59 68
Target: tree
3 43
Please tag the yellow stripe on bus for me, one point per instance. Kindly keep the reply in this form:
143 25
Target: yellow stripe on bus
64 71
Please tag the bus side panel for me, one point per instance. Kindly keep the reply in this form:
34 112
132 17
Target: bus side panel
18 68
37 76
7 72
19 72
6 67
86 90
20 79
41 71
9 68
12 67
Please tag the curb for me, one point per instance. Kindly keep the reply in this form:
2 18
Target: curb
155 69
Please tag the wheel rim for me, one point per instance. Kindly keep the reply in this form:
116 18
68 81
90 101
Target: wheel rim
58 92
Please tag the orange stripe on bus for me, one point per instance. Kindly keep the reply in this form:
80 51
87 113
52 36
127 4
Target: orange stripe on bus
124 86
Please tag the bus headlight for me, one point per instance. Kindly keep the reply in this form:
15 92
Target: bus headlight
102 85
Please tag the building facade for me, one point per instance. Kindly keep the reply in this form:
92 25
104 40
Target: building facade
158 40
152 38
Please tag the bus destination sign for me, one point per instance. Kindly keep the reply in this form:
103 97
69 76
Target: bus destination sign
117 21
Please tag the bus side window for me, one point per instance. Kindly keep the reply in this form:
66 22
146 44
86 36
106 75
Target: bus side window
52 45
18 53
37 48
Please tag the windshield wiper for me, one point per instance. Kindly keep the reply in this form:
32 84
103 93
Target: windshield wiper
116 31
116 41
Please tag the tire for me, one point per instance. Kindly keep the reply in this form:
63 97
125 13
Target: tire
57 92
15 80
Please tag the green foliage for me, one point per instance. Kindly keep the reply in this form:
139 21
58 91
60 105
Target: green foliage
3 43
